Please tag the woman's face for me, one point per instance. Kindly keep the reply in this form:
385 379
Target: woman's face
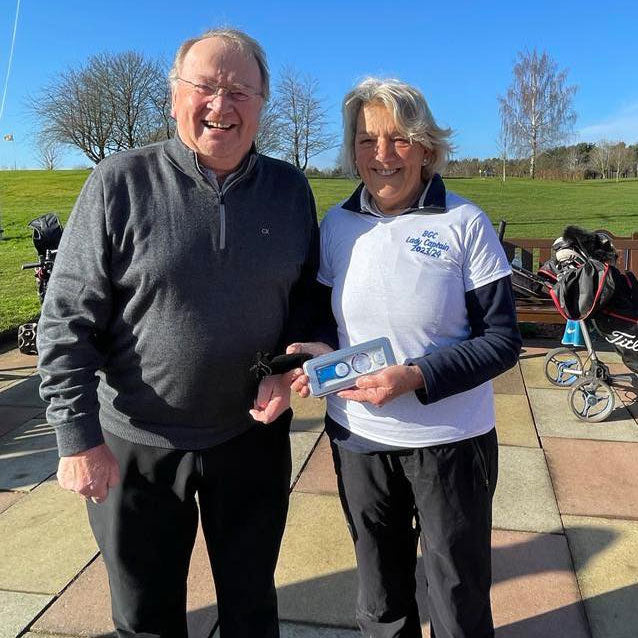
389 165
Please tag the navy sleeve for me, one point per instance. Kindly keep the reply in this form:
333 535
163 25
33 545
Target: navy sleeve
492 348
324 325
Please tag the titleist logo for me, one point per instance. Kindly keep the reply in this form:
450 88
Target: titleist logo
623 340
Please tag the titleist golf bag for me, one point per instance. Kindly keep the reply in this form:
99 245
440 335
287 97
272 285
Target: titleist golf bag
47 232
588 286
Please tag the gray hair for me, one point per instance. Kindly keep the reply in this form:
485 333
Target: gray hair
237 39
411 114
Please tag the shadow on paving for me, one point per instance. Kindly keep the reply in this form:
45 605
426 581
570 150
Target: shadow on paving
614 612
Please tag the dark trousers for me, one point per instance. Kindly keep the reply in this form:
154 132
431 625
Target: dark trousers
442 494
146 530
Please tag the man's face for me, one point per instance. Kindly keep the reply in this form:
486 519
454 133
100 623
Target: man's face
218 128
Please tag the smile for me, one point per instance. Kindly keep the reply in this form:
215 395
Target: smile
386 172
217 125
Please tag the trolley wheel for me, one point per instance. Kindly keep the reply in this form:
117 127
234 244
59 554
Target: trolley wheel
26 338
563 366
591 400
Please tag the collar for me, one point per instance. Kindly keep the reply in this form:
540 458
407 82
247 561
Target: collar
185 159
431 201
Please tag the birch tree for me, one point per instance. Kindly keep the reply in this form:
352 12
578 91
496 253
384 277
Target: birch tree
537 108
601 157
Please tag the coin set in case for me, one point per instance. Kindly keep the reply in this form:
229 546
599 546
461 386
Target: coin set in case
340 369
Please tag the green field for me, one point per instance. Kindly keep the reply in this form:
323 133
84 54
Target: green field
531 208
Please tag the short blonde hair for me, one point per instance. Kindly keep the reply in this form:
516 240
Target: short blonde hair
241 41
411 114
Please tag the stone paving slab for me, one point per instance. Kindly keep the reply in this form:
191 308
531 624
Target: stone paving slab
7 499
8 380
28 456
14 362
17 610
296 630
23 393
535 593
13 416
301 444
627 392
309 414
510 382
537 347
315 577
605 555
319 474
85 607
524 498
533 371
514 423
553 417
46 541
594 478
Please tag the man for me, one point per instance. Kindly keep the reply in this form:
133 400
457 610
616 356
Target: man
179 262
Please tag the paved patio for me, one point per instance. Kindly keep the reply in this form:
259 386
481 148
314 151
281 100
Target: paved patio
565 541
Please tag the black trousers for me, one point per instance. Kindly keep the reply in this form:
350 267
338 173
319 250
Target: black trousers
442 494
146 530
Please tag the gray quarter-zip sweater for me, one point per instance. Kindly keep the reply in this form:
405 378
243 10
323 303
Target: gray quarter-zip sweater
164 287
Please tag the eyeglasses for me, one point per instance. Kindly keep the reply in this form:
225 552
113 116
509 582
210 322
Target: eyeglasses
235 93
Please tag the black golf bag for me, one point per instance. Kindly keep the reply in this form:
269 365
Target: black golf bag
47 232
588 286
526 285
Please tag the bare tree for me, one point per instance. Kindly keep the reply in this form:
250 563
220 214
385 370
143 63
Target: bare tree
601 157
504 143
113 102
538 105
268 139
303 119
47 152
620 158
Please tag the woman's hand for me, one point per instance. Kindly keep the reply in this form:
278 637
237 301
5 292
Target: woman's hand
299 381
384 386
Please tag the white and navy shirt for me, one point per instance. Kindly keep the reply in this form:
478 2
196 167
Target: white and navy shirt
406 277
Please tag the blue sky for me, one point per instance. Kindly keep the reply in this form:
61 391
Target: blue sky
459 53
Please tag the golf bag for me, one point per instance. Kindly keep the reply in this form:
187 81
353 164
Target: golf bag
526 285
47 232
587 285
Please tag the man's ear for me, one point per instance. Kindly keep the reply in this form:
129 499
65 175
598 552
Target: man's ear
173 103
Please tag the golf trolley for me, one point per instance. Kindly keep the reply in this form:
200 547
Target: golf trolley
591 397
590 290
47 232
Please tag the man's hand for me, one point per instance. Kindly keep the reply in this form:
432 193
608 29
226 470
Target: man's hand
299 381
384 386
90 473
273 397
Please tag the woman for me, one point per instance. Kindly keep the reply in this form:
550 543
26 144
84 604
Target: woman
414 445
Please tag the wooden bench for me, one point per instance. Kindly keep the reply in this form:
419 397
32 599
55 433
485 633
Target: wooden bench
531 253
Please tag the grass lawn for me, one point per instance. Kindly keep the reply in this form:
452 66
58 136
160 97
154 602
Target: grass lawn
531 208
